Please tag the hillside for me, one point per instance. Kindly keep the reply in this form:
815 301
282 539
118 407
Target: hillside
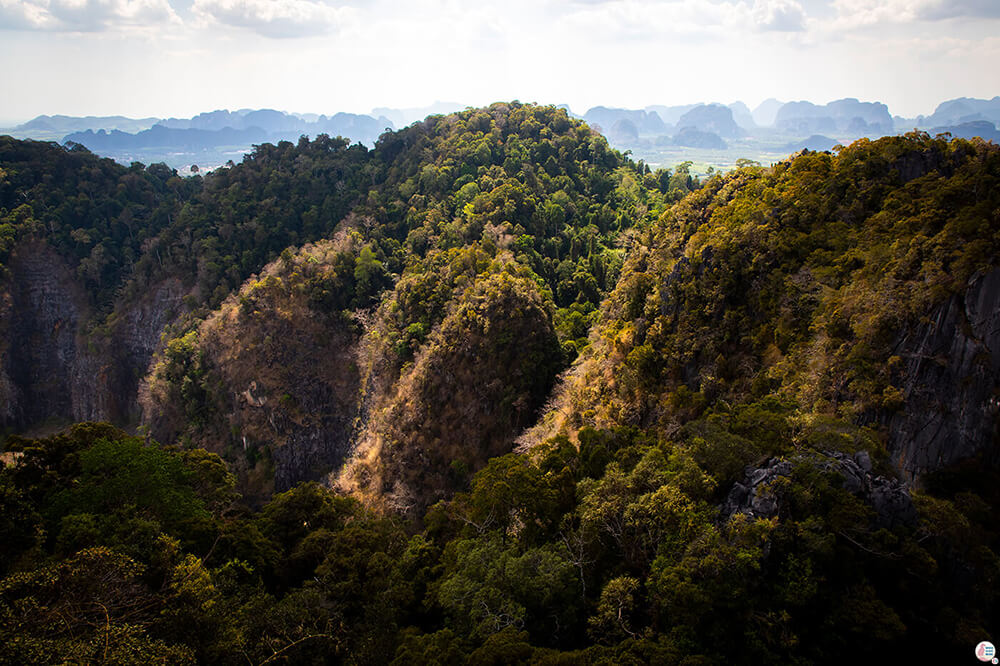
526 183
845 285
562 408
474 386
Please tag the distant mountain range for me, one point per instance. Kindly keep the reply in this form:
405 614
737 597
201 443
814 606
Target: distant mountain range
719 135
213 138
208 131
166 138
845 115
62 125
963 110
800 124
362 128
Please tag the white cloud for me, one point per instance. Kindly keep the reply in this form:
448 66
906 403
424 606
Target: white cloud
689 20
779 15
862 13
84 15
275 18
20 15
643 19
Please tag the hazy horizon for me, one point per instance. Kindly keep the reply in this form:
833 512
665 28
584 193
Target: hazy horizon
9 123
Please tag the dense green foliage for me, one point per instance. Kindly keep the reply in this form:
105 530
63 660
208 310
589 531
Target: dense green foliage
244 216
121 551
530 180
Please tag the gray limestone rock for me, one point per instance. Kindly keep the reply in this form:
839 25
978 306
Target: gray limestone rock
951 382
52 367
756 494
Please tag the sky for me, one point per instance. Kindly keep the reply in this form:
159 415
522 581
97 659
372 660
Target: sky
178 58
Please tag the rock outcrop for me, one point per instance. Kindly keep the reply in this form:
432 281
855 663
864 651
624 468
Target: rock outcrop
289 384
713 118
695 138
270 376
757 494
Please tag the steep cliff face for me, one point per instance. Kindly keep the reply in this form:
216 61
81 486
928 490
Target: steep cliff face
287 383
10 394
951 383
472 389
44 356
136 330
270 379
53 368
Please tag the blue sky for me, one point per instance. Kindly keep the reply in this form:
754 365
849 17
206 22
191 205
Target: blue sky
180 57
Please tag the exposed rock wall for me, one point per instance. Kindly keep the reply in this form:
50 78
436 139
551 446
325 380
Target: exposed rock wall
51 368
472 389
134 339
291 385
270 379
10 394
951 383
43 356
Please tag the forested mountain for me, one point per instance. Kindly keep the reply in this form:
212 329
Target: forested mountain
519 191
562 408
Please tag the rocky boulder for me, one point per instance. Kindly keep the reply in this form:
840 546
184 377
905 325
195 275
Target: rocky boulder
757 496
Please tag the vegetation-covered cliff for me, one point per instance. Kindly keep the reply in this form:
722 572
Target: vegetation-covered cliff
565 409
845 285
